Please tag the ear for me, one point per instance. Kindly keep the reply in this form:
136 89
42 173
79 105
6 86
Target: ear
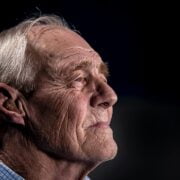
12 105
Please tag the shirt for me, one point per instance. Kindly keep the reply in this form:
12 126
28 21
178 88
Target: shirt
8 174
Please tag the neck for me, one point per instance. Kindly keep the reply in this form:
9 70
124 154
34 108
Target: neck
29 162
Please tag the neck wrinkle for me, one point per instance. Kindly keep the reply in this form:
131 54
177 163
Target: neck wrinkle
25 159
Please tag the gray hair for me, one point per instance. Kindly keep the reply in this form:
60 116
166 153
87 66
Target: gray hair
16 65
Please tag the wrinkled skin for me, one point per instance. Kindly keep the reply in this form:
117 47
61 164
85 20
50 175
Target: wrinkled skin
62 129
73 102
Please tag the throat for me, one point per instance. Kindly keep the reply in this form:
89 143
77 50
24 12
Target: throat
31 163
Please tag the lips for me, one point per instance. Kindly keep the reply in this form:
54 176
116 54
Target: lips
98 119
102 120
101 124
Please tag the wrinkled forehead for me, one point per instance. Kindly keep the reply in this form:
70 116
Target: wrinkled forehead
55 40
63 47
78 57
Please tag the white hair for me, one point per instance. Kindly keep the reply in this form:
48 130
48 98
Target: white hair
16 65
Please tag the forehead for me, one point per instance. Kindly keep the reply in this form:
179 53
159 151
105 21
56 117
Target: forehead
63 46
77 58
54 40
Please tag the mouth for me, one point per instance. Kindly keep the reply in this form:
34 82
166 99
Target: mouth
101 125
99 119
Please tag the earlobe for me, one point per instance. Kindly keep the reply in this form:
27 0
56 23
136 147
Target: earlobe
11 105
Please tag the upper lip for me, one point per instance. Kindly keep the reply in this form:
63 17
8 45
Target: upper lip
99 120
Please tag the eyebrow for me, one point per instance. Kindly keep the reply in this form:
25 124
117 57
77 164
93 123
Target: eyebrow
103 68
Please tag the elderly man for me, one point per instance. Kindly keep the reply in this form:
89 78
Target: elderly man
55 103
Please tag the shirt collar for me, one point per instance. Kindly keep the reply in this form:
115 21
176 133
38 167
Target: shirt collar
8 174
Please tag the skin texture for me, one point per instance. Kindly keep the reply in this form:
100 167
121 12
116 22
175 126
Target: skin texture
69 114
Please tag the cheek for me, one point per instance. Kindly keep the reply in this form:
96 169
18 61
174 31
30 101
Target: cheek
78 109
72 110
71 118
60 118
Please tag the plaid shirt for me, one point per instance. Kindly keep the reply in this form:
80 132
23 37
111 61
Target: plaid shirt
8 174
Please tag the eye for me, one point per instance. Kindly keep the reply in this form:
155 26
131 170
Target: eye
104 79
81 79
79 82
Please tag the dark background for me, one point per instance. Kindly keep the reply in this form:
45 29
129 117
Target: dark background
137 39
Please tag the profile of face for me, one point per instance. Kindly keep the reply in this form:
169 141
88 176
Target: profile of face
72 106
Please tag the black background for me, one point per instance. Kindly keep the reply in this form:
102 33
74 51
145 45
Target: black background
138 40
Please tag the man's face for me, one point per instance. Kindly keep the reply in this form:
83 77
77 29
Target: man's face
73 102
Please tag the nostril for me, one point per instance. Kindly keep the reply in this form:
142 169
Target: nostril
105 104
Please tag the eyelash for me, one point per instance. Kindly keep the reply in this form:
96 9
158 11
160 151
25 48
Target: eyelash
106 80
80 79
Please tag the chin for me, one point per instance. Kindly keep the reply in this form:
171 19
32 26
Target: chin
108 152
99 153
99 144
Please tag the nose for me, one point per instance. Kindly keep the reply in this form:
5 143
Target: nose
104 96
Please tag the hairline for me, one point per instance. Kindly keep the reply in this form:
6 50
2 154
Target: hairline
16 67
